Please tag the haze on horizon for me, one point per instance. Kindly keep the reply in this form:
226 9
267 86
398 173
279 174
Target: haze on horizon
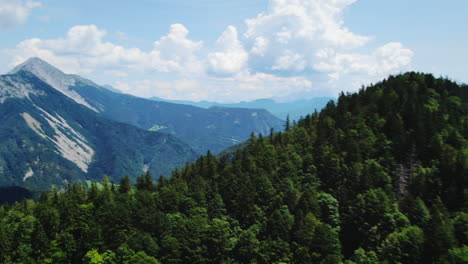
228 52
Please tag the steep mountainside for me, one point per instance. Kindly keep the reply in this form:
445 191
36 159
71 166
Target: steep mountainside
378 177
203 129
295 109
46 138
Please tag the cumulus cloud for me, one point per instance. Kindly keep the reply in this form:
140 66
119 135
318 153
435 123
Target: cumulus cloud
305 37
294 49
388 58
349 71
83 50
290 61
15 12
175 45
175 52
231 57
292 30
290 21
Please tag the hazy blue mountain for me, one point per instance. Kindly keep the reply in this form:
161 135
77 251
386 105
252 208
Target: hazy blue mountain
295 109
48 138
203 129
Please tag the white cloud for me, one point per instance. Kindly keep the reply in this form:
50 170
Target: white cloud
305 20
80 52
84 51
344 67
290 61
305 37
260 46
175 52
295 49
298 27
176 45
231 57
15 12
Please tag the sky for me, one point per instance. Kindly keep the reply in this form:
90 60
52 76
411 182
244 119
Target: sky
230 51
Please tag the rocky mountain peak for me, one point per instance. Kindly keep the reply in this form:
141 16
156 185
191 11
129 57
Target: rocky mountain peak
54 77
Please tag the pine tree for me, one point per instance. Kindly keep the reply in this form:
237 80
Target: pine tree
125 186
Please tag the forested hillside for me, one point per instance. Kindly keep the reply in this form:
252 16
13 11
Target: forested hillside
378 177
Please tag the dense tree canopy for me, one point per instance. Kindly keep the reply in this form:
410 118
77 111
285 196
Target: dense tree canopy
378 177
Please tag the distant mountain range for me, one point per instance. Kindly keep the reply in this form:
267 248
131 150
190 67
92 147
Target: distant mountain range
203 129
295 109
58 128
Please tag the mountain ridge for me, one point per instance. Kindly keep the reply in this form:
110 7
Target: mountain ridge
54 77
203 129
48 138
294 109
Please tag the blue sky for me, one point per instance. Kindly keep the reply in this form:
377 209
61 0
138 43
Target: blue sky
237 50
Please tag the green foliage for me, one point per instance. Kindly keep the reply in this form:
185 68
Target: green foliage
460 225
330 209
363 257
416 210
405 246
93 257
458 255
124 186
376 178
141 258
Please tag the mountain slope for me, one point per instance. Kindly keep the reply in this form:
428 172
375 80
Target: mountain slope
203 129
46 138
295 109
54 77
379 177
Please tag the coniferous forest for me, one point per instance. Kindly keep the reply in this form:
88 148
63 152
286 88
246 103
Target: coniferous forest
377 177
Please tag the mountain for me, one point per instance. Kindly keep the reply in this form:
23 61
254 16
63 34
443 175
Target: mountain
211 129
50 136
55 78
378 177
295 109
